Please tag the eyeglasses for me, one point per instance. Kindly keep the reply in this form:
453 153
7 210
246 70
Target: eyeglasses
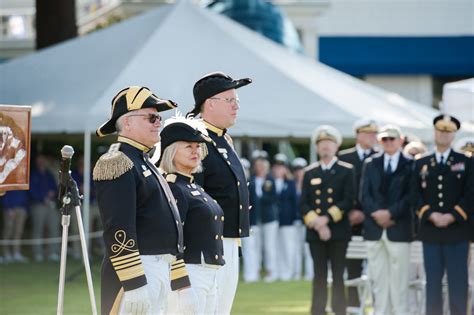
152 118
385 139
231 100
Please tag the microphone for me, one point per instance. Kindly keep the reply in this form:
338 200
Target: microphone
66 152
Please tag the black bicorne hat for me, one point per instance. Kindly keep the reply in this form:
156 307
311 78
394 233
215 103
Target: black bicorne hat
130 99
212 84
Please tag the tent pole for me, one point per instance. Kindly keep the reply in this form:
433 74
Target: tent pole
87 180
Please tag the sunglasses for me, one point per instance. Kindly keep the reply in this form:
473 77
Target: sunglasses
385 139
152 118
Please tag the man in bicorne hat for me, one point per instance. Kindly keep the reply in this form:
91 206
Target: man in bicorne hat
223 178
143 233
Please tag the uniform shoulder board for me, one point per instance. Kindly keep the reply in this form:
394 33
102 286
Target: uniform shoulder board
171 178
345 164
469 154
420 156
311 166
229 140
112 165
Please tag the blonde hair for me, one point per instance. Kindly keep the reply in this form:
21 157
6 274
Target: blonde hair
167 157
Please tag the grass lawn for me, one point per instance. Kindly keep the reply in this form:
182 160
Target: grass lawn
33 288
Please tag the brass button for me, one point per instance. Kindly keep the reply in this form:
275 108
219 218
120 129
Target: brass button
217 257
318 201
440 195
228 162
240 207
202 189
215 200
440 177
318 211
441 203
440 186
238 183
330 200
177 222
184 248
217 237
205 199
330 190
240 231
317 192
222 218
215 217
222 237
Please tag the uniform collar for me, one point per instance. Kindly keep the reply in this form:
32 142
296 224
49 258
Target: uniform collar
361 152
134 144
445 155
328 166
186 177
218 131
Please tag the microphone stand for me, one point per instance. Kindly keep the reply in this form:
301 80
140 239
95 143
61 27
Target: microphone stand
71 199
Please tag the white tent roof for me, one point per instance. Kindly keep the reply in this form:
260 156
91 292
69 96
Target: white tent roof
458 99
168 49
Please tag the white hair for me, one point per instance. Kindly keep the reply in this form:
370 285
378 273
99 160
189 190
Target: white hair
167 158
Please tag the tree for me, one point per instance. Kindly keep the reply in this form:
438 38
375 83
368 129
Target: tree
55 21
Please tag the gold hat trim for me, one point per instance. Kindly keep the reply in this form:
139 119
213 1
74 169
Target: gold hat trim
446 125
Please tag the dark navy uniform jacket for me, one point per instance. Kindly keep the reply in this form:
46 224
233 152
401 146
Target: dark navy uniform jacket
446 189
352 157
137 216
264 208
387 191
224 179
329 193
202 218
287 207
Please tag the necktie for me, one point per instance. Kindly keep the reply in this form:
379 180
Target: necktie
365 155
441 160
388 170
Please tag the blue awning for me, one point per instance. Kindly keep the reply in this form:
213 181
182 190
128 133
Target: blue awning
439 56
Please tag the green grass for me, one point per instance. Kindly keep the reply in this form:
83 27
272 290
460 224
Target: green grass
33 288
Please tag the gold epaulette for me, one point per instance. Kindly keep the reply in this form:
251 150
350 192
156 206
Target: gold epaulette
112 164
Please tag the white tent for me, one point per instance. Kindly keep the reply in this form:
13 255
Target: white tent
458 100
70 85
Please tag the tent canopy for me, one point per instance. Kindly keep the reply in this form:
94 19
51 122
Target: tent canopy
70 85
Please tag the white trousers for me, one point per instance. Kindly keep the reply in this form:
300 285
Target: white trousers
270 250
302 254
389 264
157 272
228 276
252 254
286 252
204 283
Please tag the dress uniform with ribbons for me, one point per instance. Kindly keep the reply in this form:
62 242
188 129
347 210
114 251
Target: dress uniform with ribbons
137 209
328 190
443 183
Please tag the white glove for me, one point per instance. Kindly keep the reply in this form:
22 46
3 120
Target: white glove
137 301
188 301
